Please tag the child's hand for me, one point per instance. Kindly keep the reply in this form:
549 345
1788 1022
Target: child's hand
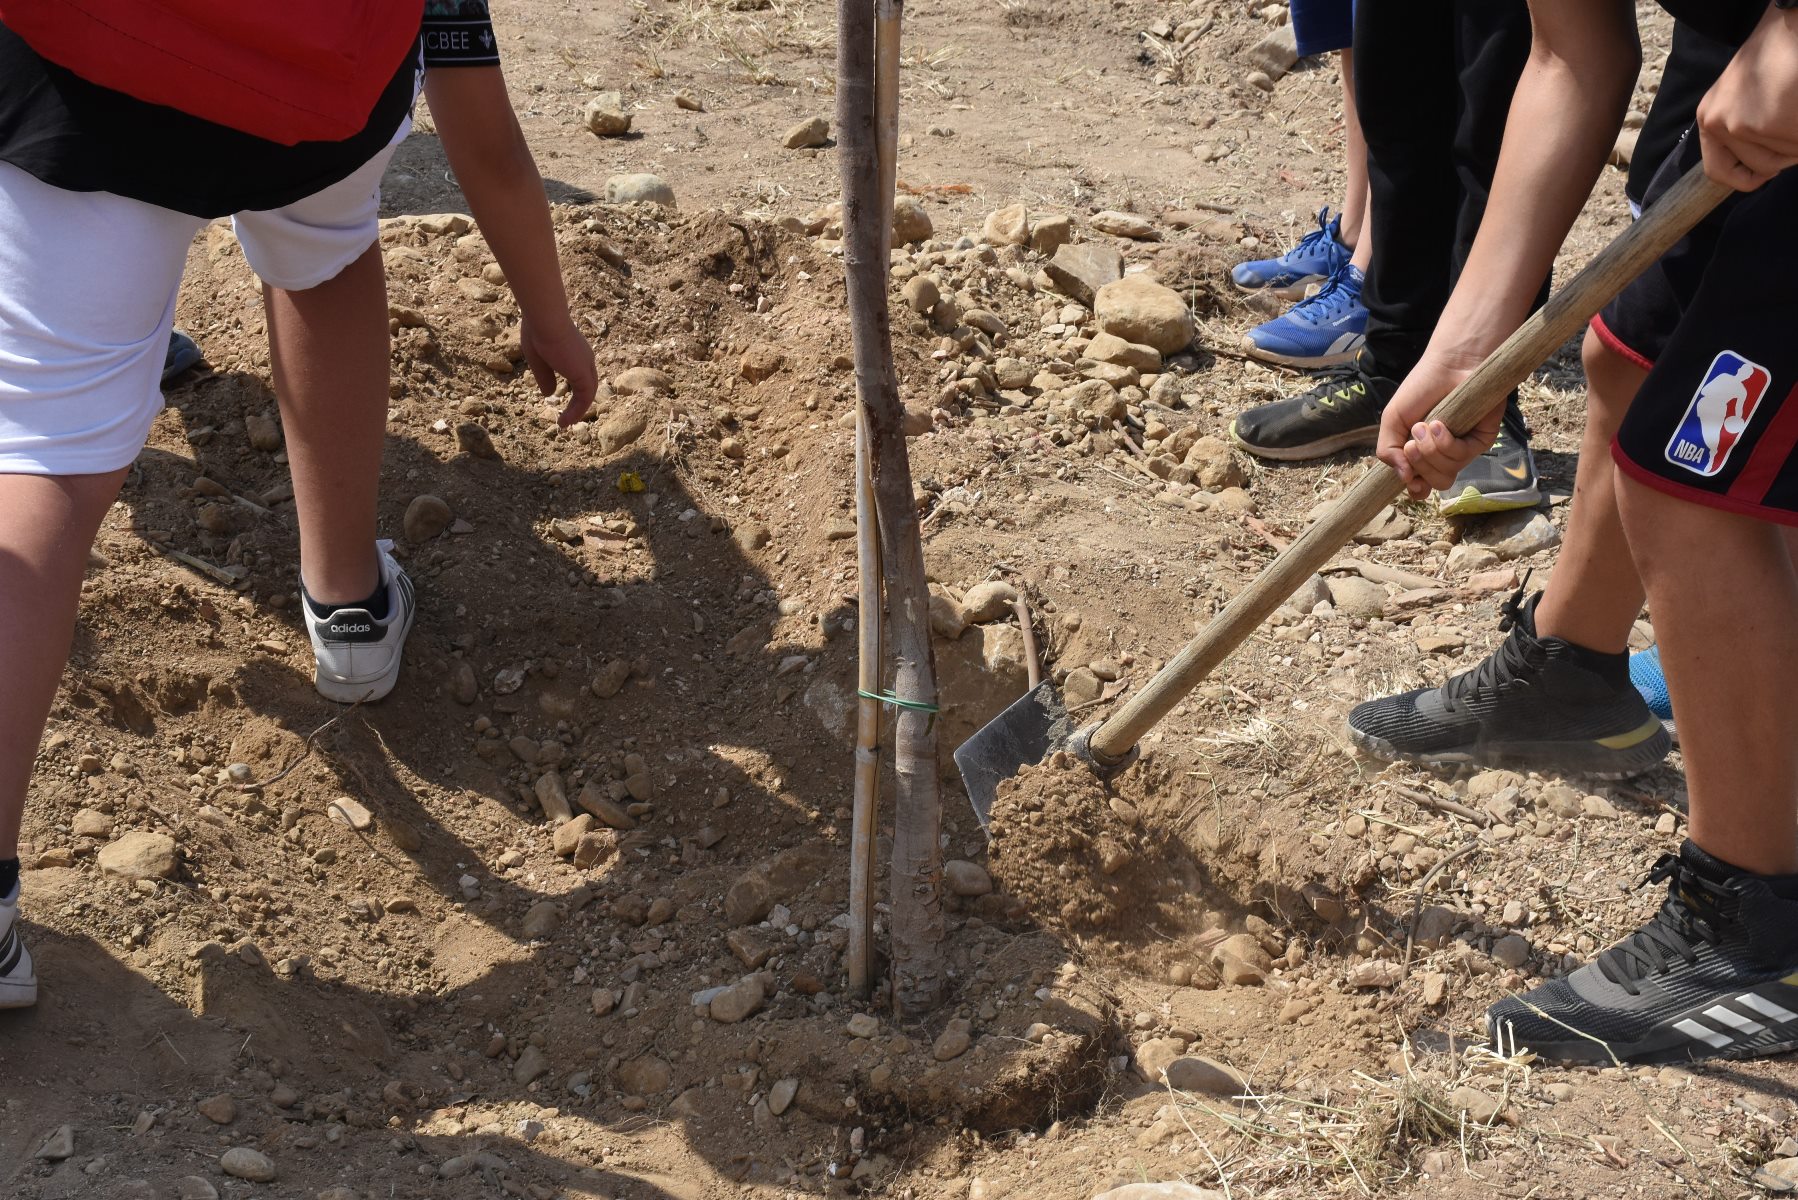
1748 121
562 351
1423 452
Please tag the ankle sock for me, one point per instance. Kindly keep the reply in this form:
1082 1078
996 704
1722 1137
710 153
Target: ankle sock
375 606
9 875
1718 871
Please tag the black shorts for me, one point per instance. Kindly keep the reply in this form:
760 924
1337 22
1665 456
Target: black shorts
1716 422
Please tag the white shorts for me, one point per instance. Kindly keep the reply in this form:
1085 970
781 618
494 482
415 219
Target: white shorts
88 282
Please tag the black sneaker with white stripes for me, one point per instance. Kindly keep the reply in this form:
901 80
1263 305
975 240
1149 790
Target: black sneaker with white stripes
1713 975
18 979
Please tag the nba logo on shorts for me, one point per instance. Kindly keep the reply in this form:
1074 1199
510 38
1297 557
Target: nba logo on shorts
1718 415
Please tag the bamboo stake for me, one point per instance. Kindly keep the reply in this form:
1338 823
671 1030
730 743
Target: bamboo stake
916 869
866 813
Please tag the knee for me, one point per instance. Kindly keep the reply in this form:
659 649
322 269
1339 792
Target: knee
1611 384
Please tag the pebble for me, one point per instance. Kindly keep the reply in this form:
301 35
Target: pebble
685 99
475 441
645 1076
1081 269
1154 1056
1517 534
740 1000
604 115
954 1041
1126 225
1435 988
541 920
220 1109
966 878
988 601
1240 960
911 223
807 135
532 1064
862 1025
345 811
647 380
1139 310
58 1146
140 855
263 431
1376 973
780 1096
1512 950
92 823
426 517
1354 596
1778 1175
192 1187
241 1162
568 835
1205 1076
1480 1108
639 188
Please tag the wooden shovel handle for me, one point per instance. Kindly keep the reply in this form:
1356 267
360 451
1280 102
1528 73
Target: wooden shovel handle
1567 310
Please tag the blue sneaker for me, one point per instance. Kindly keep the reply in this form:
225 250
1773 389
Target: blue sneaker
182 354
1316 257
1646 673
1321 331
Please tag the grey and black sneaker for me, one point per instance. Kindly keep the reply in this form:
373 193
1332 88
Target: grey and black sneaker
1502 478
1713 975
1535 703
357 653
1342 410
18 980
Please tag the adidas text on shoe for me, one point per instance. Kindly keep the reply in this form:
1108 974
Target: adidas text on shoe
1714 974
1323 330
1502 478
1341 411
1315 258
357 655
1535 703
18 978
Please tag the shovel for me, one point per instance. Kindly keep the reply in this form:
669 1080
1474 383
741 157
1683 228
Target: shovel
1038 723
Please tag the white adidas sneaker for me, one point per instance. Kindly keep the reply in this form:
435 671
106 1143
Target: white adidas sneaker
18 980
358 657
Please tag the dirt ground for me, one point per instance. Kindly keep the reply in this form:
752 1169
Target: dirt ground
435 990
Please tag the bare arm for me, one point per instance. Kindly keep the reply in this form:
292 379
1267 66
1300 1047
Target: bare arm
1563 121
499 177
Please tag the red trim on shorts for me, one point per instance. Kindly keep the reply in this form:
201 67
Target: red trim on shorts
1693 495
1616 343
1770 453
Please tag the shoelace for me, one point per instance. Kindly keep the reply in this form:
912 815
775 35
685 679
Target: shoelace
1308 243
1520 652
1330 301
1686 918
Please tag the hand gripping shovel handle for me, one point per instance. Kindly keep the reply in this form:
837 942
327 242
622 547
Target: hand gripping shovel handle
1566 311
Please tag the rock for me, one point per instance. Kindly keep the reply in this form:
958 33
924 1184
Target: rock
1468 559
1778 1175
476 441
686 100
540 920
954 1041
241 1162
921 293
620 430
92 823
58 1146
645 1076
741 999
220 1109
911 223
1441 641
1080 271
1435 989
1480 1108
807 135
1160 1191
140 855
597 800
403 835
1240 960
780 1096
1275 54
1215 465
568 835
640 188
917 420
1354 596
345 811
967 879
1153 1057
1140 310
263 432
1010 226
989 601
1205 1076
1109 348
609 680
1376 973
1517 534
426 517
553 796
1081 686
1511 950
751 536
1051 233
946 618
1126 225
641 379
760 361
1389 525
604 115
532 1064
192 1187
1598 806
1434 925
862 1025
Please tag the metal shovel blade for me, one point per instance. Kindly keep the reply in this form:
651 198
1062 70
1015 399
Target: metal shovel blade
1024 734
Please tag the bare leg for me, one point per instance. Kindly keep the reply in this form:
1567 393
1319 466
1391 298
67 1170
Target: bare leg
1725 601
329 345
1357 230
47 523
1596 596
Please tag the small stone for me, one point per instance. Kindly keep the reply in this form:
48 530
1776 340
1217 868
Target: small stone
911 223
1215 465
989 601
1138 309
1354 596
1205 1076
1517 534
92 823
921 293
1050 233
647 380
954 1041
686 100
541 920
476 441
464 688
603 1001
1666 823
760 361
620 430
1154 1056
405 836
532 1064
1512 950
1598 806
58 1146
552 794
596 800
645 1076
1109 348
426 517
1275 54
967 879
1376 973
1435 989
192 1187
780 1096
862 1025
807 135
1558 1092
1480 1108
741 999
1081 270
568 835
604 115
140 855
1126 225
345 811
1778 1175
220 1109
639 188
263 431
241 1162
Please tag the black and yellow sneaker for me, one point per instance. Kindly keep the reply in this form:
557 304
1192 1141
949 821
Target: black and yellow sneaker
1535 704
1713 975
1341 411
1502 478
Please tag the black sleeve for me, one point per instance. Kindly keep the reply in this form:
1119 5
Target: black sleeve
459 33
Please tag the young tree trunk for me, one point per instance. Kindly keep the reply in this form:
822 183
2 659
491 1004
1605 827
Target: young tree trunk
916 869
